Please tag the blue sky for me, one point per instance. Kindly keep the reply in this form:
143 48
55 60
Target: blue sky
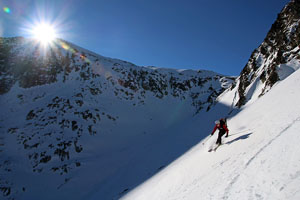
214 35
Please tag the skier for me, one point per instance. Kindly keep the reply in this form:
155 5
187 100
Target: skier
221 125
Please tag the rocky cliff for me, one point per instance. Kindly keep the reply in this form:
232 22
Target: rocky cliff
274 59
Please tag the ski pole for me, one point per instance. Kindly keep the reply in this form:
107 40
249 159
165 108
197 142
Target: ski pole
205 140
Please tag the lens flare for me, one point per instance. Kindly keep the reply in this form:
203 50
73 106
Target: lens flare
6 9
65 46
44 33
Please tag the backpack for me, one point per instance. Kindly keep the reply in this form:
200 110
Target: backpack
222 122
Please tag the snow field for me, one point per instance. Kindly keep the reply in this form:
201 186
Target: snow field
260 160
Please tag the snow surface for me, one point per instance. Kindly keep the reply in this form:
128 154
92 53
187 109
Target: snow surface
286 69
259 160
122 136
146 147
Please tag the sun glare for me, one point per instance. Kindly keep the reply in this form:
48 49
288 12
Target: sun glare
44 33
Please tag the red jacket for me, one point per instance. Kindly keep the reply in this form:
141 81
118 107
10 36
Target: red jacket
218 126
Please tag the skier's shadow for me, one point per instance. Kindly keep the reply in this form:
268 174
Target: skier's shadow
242 137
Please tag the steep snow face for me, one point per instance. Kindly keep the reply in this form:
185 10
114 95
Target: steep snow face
259 160
74 124
271 61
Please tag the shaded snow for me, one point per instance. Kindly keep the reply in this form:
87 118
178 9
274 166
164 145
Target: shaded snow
284 70
260 159
89 135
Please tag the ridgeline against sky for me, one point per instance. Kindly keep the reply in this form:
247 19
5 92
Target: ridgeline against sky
78 125
212 35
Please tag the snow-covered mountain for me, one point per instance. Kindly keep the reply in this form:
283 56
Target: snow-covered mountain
259 160
276 58
74 123
77 125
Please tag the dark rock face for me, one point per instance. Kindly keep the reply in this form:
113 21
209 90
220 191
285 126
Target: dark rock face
279 47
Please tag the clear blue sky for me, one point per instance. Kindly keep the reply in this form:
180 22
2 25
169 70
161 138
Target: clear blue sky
216 35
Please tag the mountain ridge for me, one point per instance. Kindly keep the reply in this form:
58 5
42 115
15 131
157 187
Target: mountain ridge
63 104
275 59
86 126
257 161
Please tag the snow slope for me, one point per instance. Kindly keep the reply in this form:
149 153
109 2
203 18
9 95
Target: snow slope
260 159
77 125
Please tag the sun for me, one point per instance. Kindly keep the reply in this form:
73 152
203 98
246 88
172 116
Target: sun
44 33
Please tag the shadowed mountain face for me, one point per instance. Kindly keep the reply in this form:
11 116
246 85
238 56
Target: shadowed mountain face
276 58
77 125
26 64
71 117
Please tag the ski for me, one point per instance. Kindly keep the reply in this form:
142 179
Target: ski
214 148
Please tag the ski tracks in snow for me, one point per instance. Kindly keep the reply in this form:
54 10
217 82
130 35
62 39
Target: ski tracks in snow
296 175
272 140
